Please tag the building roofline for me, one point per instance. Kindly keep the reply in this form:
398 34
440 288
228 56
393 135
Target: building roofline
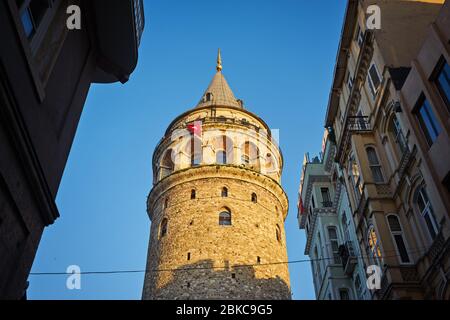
341 59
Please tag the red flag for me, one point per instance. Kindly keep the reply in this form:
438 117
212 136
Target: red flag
195 128
301 209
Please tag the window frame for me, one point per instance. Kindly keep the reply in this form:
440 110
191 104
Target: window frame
225 218
375 166
435 78
356 180
350 81
224 192
29 49
223 158
427 211
374 89
400 233
39 28
326 197
334 251
375 254
433 120
359 36
399 136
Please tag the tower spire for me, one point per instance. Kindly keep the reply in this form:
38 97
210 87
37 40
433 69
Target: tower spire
219 61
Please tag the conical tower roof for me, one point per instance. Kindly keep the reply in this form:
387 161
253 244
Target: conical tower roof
219 92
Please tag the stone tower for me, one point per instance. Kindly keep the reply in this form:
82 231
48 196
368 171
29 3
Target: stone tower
217 209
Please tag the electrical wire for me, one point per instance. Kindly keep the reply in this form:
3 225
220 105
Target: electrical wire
203 268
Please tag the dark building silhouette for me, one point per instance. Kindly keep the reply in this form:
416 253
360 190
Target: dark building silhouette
45 74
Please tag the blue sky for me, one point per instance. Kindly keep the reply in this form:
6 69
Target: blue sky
278 56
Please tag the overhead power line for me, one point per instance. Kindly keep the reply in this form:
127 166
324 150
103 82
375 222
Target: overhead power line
200 267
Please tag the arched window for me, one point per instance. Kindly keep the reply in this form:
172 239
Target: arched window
250 155
221 157
193 194
194 149
166 203
426 211
397 235
208 96
224 192
374 247
163 228
167 164
270 164
254 198
225 218
245 159
278 233
374 164
224 149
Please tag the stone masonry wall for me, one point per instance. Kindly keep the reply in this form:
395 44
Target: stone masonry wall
195 239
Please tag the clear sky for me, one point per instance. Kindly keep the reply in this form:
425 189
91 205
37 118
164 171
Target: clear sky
278 56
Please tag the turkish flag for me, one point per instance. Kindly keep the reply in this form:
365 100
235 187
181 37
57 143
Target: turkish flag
300 205
195 128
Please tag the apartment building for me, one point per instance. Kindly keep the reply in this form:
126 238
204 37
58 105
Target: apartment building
46 70
388 113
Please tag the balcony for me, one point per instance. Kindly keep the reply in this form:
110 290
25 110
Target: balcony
353 125
119 27
358 124
348 257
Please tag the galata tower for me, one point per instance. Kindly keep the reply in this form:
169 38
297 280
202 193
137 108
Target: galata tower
217 208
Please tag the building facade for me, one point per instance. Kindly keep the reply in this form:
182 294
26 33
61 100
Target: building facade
388 116
46 70
217 208
326 216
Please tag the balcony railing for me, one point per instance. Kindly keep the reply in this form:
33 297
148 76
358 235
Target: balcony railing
327 204
358 124
437 247
353 124
348 257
